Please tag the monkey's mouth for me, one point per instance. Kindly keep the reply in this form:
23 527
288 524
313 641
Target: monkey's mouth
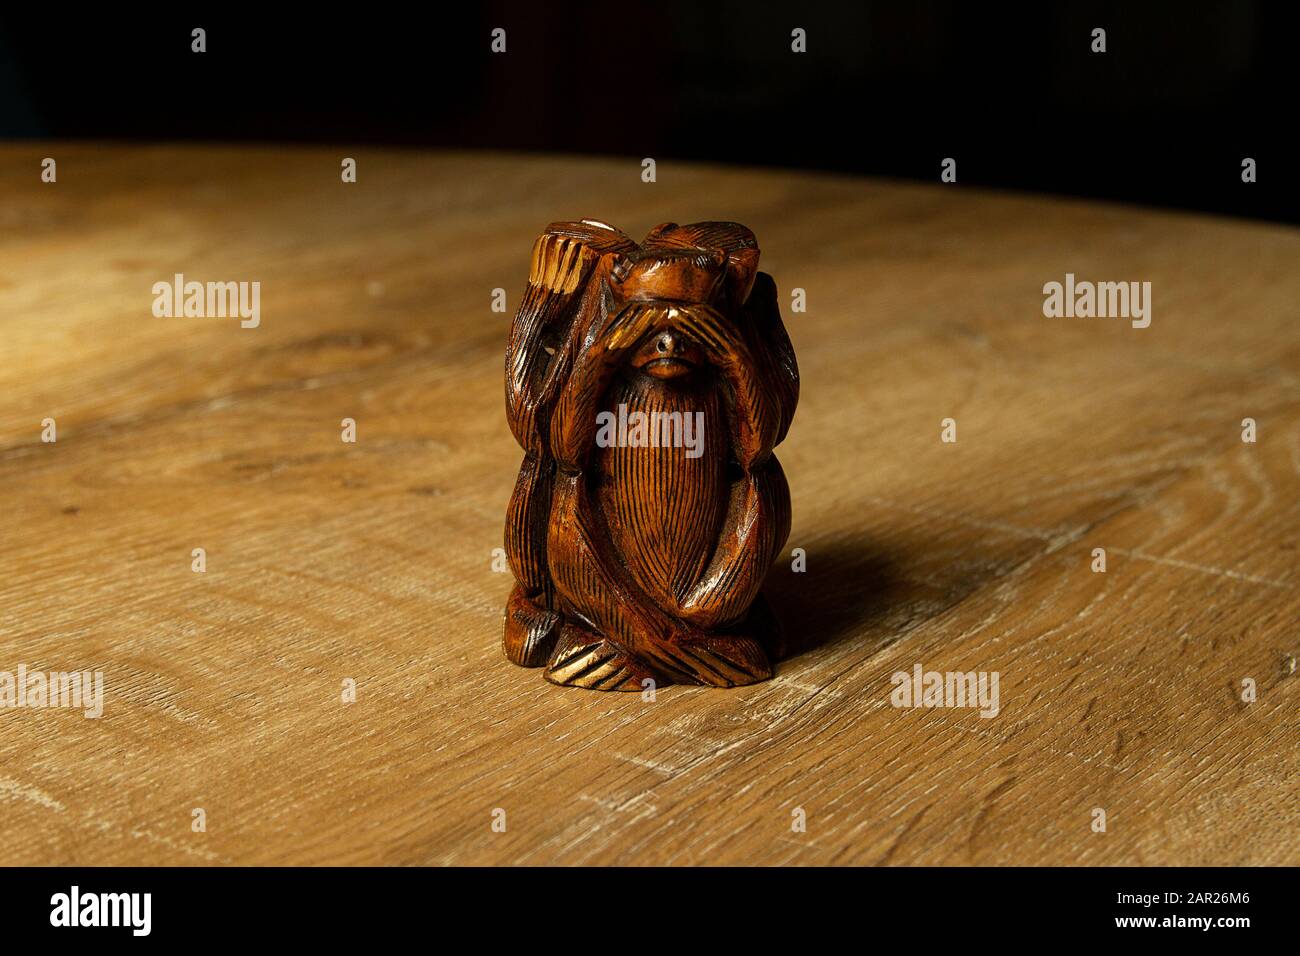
667 355
668 368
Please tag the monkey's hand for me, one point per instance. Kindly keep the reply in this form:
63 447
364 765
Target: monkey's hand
573 429
755 418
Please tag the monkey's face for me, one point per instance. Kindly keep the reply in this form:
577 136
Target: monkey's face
667 354
663 280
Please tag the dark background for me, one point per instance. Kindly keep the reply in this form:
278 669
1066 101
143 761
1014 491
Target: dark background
1012 92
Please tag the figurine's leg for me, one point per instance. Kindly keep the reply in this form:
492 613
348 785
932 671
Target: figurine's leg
590 583
757 523
532 621
530 629
654 643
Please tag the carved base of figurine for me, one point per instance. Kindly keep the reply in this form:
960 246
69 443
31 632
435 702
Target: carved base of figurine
576 655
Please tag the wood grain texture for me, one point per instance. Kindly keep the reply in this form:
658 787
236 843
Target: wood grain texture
372 560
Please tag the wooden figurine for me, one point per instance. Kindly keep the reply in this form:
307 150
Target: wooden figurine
647 385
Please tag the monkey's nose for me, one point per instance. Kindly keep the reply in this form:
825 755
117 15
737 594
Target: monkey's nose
666 344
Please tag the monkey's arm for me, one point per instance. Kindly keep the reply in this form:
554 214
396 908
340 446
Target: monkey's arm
541 350
755 413
759 369
573 426
754 530
771 347
542 340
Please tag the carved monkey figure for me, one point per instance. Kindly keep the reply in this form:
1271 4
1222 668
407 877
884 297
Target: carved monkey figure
647 385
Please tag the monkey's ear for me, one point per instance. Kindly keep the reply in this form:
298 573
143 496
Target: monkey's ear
566 252
732 238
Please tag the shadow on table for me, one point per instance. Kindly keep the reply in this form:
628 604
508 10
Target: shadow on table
847 588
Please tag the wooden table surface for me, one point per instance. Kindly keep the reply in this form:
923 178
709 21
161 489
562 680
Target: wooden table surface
327 561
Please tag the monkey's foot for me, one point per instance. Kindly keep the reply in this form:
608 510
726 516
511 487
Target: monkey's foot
530 630
583 658
719 661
